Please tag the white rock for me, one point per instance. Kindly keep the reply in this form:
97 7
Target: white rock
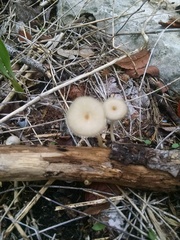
166 54
12 140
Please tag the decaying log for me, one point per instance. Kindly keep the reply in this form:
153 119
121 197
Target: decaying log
128 165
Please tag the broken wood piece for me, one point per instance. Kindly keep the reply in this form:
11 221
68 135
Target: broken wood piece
27 60
116 165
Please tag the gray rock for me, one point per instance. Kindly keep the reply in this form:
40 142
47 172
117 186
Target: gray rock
129 18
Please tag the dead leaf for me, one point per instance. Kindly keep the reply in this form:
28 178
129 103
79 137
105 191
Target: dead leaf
162 86
76 91
103 188
67 53
96 209
151 70
155 84
135 61
23 36
172 23
86 52
178 109
124 77
105 72
73 91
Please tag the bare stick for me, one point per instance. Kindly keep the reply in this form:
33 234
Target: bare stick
66 83
28 207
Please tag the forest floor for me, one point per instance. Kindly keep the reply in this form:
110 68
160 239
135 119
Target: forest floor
54 64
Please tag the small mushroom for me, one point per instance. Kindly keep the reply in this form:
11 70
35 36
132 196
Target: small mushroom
115 109
86 118
13 140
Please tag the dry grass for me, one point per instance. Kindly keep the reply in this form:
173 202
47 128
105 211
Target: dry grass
52 79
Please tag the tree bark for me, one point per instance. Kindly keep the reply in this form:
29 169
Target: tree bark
128 165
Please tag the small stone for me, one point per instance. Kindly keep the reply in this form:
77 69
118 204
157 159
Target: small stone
13 140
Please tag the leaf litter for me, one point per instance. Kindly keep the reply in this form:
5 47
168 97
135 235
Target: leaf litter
46 53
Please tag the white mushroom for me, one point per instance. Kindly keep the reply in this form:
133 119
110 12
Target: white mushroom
115 109
13 140
85 117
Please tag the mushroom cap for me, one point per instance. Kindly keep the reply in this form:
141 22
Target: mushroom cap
115 109
85 117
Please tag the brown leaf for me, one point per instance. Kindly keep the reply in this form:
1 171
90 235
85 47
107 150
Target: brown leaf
105 72
170 23
156 83
94 210
151 70
73 91
76 91
23 36
106 189
162 86
178 109
135 61
124 77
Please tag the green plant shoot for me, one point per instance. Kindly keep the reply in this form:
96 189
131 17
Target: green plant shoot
98 226
175 145
152 235
5 68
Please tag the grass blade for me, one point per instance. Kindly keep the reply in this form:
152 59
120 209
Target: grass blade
5 67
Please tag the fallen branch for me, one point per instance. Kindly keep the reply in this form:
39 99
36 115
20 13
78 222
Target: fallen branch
124 164
26 60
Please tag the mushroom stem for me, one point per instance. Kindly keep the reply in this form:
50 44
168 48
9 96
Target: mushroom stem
112 131
100 140
115 109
